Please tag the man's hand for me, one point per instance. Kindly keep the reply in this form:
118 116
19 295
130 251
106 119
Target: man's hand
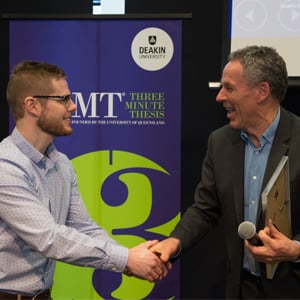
145 264
166 249
276 246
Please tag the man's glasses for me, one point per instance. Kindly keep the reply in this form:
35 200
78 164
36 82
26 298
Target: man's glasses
61 99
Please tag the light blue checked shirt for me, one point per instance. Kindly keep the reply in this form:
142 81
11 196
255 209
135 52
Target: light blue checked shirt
43 219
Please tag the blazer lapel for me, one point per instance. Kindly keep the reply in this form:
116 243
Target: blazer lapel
237 172
279 148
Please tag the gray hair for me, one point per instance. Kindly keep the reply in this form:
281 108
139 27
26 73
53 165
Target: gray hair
263 64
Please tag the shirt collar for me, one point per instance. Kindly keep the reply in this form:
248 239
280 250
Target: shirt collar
268 135
32 153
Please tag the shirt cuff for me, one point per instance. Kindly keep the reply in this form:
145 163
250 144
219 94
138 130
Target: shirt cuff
298 260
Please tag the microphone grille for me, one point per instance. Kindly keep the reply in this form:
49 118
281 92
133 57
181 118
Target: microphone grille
246 230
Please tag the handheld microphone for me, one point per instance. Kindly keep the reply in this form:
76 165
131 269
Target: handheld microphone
247 231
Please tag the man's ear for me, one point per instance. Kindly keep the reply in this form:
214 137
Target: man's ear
32 105
263 91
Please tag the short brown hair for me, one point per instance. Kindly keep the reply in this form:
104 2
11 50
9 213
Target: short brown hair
30 78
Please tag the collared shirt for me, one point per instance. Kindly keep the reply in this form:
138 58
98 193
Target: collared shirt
255 165
43 219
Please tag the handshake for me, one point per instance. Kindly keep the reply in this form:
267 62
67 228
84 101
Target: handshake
151 260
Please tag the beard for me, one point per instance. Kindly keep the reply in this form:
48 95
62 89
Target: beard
54 127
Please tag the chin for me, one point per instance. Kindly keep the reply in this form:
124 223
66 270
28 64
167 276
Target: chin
234 125
67 131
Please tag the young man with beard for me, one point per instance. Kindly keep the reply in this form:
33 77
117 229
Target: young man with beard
42 216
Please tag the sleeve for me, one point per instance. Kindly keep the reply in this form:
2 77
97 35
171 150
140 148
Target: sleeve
63 232
204 213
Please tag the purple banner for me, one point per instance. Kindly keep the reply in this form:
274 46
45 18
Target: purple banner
125 77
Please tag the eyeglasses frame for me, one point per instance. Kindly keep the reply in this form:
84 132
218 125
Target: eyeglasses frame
60 99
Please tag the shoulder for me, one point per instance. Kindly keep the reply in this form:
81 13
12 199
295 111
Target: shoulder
9 150
287 115
225 134
14 164
289 125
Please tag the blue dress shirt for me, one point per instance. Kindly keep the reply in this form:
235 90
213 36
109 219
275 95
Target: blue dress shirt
255 165
43 219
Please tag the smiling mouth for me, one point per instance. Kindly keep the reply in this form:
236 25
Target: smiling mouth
229 112
229 109
67 120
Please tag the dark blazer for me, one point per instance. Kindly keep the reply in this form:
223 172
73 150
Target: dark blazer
220 194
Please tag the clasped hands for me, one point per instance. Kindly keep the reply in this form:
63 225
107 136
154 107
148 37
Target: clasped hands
150 260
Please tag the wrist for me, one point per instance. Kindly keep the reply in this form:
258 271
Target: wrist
177 246
297 258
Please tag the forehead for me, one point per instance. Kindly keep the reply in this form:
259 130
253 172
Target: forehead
60 83
233 73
